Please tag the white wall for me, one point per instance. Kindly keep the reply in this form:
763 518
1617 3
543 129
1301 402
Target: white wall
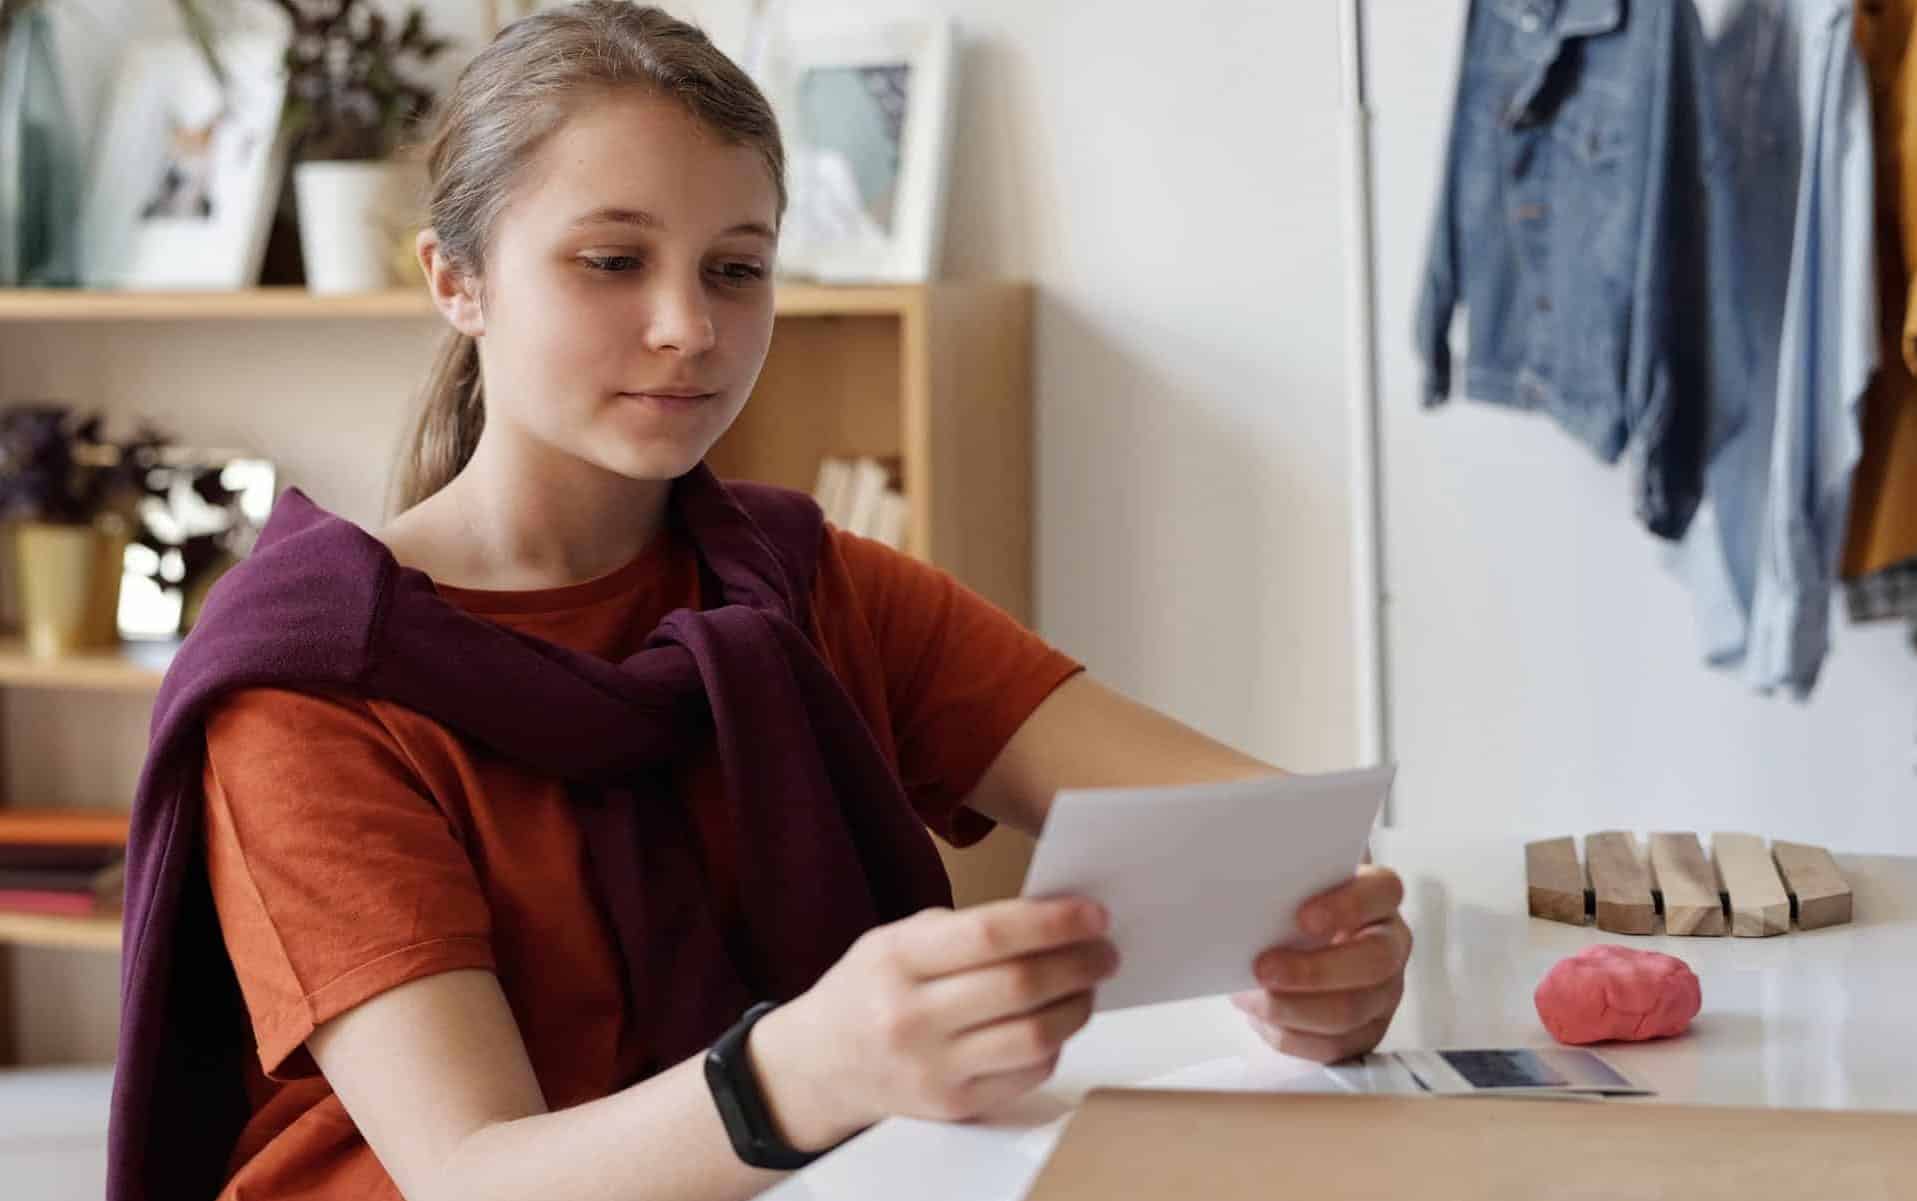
1546 672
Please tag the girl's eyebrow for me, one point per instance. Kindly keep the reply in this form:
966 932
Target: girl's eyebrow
611 215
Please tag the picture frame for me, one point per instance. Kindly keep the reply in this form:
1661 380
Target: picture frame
186 173
867 119
202 513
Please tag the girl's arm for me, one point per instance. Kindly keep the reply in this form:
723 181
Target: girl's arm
435 1075
1087 736
941 1015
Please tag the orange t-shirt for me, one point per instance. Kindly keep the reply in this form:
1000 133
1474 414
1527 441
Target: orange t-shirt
354 845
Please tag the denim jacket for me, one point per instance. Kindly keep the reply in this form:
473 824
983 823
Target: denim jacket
1583 223
1762 557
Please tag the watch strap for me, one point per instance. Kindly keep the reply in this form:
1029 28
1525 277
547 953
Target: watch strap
741 1102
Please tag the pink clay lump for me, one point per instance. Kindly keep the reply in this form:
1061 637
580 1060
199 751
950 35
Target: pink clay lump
1609 992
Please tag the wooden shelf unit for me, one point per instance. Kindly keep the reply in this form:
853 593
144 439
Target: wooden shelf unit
133 669
937 376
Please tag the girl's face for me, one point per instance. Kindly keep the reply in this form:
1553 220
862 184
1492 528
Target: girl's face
628 290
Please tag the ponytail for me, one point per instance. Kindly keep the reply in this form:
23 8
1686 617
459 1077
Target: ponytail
451 415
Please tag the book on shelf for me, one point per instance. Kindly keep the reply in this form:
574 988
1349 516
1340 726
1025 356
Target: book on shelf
835 476
857 496
50 879
58 856
70 893
893 512
869 481
41 903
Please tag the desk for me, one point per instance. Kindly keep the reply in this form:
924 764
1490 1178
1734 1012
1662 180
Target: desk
1818 1020
53 1133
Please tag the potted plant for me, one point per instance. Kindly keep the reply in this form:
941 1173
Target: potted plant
350 109
73 497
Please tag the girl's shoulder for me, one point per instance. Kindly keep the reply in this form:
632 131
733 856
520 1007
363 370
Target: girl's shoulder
266 733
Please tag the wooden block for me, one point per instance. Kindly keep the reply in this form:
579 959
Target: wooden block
1622 884
1759 905
1692 905
1819 894
1554 881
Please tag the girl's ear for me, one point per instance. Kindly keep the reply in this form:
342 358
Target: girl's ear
455 293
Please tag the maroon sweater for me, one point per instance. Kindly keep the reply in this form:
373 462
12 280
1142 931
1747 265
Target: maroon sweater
322 605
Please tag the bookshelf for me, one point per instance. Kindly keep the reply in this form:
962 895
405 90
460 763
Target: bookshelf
936 377
133 670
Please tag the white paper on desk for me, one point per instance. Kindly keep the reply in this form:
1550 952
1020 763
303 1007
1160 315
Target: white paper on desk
1200 879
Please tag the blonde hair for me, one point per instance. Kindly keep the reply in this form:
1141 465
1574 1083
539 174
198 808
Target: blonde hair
498 115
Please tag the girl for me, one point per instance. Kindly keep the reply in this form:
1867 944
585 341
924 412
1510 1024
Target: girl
511 810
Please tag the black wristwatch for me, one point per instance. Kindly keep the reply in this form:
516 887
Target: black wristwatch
735 1090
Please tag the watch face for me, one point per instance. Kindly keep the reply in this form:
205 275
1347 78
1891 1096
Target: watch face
730 1113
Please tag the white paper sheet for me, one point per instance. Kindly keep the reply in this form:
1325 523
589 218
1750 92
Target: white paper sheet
1199 880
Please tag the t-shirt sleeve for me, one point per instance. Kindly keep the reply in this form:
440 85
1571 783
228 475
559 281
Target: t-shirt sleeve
335 875
961 677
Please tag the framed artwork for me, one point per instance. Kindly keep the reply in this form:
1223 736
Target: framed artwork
186 174
202 513
867 120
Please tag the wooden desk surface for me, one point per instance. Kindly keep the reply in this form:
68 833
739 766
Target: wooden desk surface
1818 1020
1234 1147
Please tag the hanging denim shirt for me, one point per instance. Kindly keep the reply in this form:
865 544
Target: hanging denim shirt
1796 129
1583 224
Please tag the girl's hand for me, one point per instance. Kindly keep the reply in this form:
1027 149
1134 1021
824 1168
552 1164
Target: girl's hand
943 1015
1336 1002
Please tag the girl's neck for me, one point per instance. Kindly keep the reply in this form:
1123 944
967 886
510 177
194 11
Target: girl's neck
523 516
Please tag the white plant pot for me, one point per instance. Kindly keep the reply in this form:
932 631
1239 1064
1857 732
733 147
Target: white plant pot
352 217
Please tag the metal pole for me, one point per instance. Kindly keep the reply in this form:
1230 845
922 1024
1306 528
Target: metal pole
1367 502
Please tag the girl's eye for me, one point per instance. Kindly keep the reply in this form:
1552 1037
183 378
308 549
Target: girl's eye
611 263
741 272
